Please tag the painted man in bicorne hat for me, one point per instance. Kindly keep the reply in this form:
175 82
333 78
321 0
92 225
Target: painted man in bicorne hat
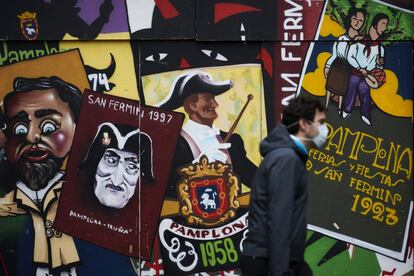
196 92
118 156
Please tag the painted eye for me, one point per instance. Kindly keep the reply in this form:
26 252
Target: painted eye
215 55
110 160
156 57
132 168
20 129
48 127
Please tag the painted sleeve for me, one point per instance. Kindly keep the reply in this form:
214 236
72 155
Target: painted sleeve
333 56
352 56
381 54
242 165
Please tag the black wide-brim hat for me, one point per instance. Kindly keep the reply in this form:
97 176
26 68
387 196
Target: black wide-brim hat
192 83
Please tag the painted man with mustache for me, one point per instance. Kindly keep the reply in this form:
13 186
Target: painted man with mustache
40 118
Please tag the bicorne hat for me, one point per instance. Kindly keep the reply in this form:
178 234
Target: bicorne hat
125 138
192 83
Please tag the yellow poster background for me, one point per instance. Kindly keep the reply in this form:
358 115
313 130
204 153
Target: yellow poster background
247 80
97 55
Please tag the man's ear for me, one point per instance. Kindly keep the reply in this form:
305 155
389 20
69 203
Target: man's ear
193 106
303 124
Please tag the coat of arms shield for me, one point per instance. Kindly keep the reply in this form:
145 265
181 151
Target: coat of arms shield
208 192
29 25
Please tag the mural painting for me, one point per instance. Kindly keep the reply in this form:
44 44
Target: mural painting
223 71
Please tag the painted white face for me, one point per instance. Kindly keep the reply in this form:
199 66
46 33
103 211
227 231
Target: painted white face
116 177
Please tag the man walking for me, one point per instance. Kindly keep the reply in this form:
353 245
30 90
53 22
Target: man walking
275 243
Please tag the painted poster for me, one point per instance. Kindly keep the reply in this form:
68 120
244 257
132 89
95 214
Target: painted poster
56 20
364 173
247 68
204 214
117 173
40 108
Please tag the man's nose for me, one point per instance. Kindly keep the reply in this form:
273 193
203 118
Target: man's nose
33 136
215 103
118 174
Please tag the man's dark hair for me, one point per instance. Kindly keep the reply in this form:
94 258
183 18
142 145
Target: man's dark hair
300 107
353 11
66 91
377 18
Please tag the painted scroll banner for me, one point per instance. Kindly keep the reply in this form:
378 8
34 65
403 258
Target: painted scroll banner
188 250
117 174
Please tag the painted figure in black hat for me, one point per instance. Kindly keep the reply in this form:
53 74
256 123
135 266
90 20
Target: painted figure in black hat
196 92
118 156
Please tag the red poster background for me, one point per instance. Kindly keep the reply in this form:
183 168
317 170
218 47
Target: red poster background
139 218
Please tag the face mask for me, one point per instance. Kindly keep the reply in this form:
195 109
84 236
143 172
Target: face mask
320 138
322 135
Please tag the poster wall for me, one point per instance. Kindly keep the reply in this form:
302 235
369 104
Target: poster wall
252 57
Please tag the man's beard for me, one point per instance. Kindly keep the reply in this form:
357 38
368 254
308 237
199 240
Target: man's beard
37 175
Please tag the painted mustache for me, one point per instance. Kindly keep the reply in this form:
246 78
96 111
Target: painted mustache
35 154
114 187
